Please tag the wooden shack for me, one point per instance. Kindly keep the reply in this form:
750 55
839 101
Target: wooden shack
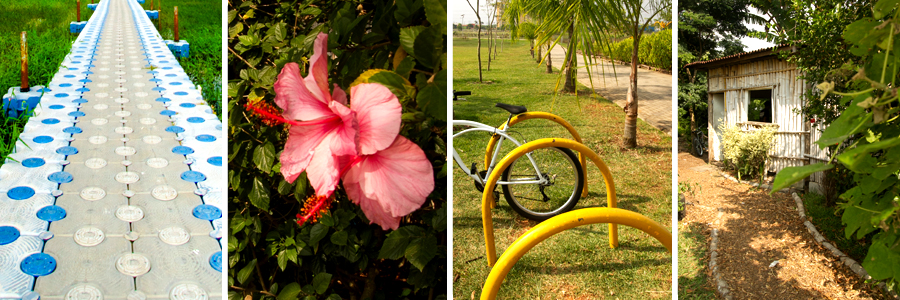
758 88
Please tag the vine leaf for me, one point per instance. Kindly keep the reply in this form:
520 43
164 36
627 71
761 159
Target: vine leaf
790 175
289 292
421 250
245 273
264 157
259 195
320 282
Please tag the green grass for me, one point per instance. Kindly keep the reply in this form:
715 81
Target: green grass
46 24
200 23
693 257
576 263
828 221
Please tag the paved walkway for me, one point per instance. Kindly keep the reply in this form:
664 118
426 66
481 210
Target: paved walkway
117 191
654 88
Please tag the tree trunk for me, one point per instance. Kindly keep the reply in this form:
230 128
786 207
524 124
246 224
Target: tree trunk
480 79
532 49
539 47
571 69
490 45
631 98
549 63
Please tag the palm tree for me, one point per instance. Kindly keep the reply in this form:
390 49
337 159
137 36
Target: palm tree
528 31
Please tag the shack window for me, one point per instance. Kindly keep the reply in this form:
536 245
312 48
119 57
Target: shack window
759 106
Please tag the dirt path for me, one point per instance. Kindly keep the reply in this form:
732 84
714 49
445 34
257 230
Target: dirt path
756 229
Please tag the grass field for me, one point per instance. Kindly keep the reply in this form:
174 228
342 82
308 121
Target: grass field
693 257
200 23
575 264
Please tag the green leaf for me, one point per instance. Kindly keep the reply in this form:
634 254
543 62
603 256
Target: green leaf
439 222
406 66
312 11
235 30
317 233
428 46
432 99
395 244
339 238
300 187
264 156
289 292
436 13
881 263
320 282
333 297
249 40
282 260
790 175
408 37
245 272
259 195
421 250
854 158
327 220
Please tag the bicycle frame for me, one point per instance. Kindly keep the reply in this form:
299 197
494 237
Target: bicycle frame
501 136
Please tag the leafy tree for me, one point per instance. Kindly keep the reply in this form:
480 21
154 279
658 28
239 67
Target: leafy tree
397 43
478 16
869 132
528 31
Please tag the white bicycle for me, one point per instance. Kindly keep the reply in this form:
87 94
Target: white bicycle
547 184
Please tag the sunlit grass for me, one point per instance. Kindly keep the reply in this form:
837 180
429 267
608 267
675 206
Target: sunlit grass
577 263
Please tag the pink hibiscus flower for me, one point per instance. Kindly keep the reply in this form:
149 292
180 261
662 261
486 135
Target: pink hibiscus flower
387 175
327 128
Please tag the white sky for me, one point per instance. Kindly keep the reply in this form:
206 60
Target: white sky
751 44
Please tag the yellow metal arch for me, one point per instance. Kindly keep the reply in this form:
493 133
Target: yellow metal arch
487 198
537 115
566 221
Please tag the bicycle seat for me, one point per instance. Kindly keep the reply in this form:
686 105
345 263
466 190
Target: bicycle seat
513 109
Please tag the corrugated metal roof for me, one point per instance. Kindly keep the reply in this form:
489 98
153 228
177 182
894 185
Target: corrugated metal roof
738 56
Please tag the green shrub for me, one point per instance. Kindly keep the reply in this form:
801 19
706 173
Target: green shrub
746 152
655 49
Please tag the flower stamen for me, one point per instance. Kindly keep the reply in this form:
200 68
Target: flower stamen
314 208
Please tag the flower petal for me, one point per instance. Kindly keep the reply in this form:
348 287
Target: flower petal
317 79
391 183
292 95
323 172
345 137
378 111
298 150
339 95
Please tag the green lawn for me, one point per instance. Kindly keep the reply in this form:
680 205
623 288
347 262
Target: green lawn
576 263
693 257
46 24
200 23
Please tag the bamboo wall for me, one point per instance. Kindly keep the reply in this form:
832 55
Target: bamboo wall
792 138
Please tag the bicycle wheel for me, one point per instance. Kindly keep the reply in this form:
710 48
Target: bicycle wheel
541 201
698 146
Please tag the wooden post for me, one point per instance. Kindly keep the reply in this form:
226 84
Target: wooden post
151 4
159 17
78 10
24 87
176 24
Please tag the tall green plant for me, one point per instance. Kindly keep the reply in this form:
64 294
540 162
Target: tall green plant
870 126
399 44
747 152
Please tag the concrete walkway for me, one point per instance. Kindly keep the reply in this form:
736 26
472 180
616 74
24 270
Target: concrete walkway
611 81
116 192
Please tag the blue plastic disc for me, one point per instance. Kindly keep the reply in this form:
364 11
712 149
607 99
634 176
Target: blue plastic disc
43 90
61 95
33 162
72 130
51 213
67 150
171 75
215 161
195 120
155 80
175 83
65 85
84 89
38 264
69 76
85 80
215 261
175 129
181 93
206 138
60 177
56 106
20 193
166 68
9 234
76 114
207 212
193 176
158 89
182 150
187 105
163 99
42 139
80 100
163 61
168 113
50 121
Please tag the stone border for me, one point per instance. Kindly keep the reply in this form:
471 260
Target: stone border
849 262
721 286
